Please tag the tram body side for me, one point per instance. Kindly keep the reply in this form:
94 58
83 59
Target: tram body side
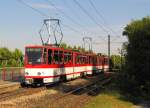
48 65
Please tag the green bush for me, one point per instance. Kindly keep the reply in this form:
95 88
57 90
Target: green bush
10 58
135 78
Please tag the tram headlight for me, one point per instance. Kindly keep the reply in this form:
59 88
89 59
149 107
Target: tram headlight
39 73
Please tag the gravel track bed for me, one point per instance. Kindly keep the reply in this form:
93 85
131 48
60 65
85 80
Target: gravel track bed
42 97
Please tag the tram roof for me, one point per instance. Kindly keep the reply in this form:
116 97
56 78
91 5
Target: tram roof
58 48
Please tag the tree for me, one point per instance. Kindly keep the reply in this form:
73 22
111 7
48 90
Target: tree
18 57
63 45
116 61
5 55
74 48
137 71
10 58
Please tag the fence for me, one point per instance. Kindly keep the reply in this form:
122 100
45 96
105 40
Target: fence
11 73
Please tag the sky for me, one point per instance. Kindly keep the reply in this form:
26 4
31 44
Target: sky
19 24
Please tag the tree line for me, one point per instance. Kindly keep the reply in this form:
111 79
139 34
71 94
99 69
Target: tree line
14 58
134 79
11 58
74 48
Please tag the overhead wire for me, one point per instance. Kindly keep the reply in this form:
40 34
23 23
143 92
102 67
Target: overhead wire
62 12
91 17
98 43
74 13
101 16
70 18
45 15
29 6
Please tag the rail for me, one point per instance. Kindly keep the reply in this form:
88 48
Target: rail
88 88
91 88
19 92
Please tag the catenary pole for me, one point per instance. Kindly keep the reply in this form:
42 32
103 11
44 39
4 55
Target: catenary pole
109 52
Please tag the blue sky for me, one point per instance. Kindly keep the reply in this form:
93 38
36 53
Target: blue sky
19 25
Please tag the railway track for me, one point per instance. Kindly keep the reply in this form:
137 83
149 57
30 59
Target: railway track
5 88
89 88
19 92
6 95
7 85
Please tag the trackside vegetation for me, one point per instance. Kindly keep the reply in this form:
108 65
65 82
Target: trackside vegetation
116 61
109 100
134 80
132 83
11 58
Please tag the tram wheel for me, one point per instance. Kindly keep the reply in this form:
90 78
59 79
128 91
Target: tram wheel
82 74
23 84
63 78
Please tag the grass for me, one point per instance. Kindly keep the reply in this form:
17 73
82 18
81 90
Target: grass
109 100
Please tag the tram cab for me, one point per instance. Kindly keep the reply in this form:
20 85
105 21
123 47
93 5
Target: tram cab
46 64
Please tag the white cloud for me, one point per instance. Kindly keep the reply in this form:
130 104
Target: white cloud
42 6
45 6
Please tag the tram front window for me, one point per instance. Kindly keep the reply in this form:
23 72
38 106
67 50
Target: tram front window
34 55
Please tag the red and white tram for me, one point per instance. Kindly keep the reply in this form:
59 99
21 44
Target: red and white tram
49 64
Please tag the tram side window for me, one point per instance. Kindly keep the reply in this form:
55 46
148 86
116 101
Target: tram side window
44 57
78 59
100 62
90 61
71 58
61 57
56 57
81 58
67 57
105 61
49 56
95 60
84 60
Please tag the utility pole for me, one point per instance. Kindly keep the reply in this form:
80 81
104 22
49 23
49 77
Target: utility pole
121 59
109 51
91 45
